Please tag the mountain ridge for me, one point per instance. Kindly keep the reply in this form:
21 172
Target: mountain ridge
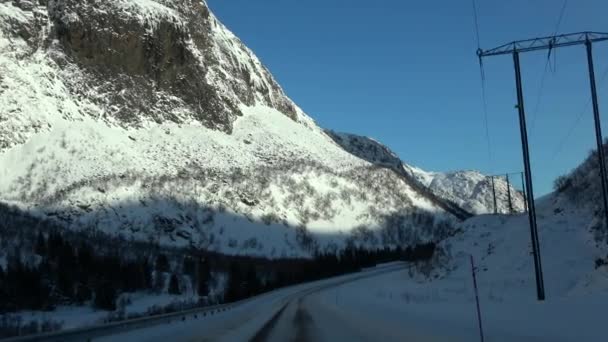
252 175
462 193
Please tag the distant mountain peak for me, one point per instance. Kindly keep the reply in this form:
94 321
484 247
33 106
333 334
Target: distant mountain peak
468 190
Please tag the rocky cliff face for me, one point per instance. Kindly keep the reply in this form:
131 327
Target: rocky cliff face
376 153
131 63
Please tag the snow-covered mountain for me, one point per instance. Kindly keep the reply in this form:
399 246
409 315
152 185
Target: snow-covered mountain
470 191
128 64
473 191
149 119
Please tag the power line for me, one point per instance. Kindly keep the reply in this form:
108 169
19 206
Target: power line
486 121
483 87
573 126
545 71
561 16
476 23
540 95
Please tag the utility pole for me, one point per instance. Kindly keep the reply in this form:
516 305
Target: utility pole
540 286
509 195
494 195
598 128
549 43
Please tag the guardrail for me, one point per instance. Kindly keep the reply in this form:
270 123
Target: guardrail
90 332
96 331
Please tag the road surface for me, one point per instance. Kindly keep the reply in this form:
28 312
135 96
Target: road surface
312 317
308 312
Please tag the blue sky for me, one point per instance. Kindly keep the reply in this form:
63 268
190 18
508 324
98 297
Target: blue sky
406 74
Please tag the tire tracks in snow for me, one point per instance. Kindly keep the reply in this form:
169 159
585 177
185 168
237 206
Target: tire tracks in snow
264 333
302 323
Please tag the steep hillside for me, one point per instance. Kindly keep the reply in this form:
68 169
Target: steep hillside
582 187
126 63
572 245
573 257
463 193
569 245
473 191
149 119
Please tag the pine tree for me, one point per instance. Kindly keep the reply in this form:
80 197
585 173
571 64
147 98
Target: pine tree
188 266
105 296
162 263
234 287
145 273
85 262
83 293
174 285
4 299
253 286
130 276
159 281
55 244
66 262
41 248
202 278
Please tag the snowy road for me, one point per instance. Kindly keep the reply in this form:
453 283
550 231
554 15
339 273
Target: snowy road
311 318
296 313
385 304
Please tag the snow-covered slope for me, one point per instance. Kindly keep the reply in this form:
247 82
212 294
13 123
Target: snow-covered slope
425 178
573 253
467 190
572 243
582 187
149 119
473 192
127 64
376 153
366 148
502 249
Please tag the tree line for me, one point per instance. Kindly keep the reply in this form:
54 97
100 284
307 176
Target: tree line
247 278
65 272
62 272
